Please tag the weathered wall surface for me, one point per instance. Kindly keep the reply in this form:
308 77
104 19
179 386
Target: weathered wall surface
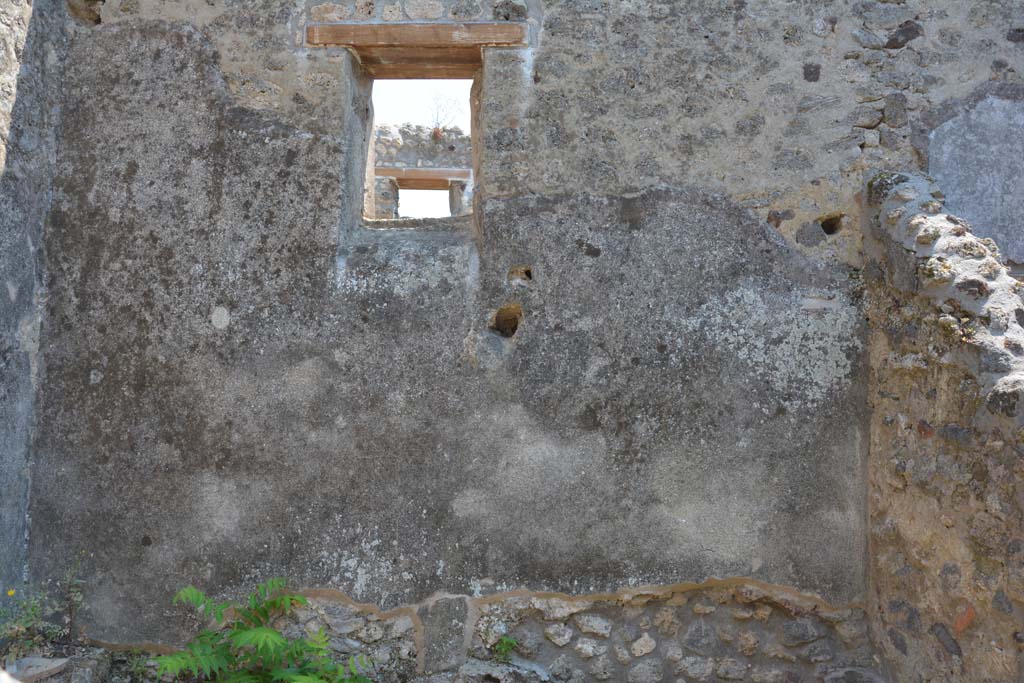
385 198
243 382
785 108
422 10
165 264
947 391
30 49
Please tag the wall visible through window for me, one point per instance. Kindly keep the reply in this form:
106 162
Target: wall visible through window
421 151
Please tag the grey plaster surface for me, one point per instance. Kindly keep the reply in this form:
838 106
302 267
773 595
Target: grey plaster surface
978 158
30 51
240 388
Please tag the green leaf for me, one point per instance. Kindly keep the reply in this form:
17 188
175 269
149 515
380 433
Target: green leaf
265 590
219 610
357 665
209 658
174 663
251 650
504 648
263 639
286 602
303 678
284 674
191 596
239 677
318 642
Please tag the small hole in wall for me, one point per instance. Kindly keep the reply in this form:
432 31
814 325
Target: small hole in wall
520 275
830 225
86 12
507 319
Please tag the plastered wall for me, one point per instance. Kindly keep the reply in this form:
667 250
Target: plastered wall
31 45
252 383
242 380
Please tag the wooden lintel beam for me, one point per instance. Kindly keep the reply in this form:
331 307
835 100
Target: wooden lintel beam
417 50
424 184
425 70
357 35
419 55
402 173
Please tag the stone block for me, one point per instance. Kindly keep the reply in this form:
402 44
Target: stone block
444 633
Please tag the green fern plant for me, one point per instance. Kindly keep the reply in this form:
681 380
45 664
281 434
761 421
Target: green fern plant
248 649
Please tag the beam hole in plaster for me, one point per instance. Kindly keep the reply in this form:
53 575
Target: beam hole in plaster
506 320
520 276
86 12
830 225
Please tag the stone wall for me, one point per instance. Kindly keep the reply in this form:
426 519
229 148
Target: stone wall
787 111
715 632
947 392
422 10
793 110
409 146
643 361
30 54
385 198
244 382
718 631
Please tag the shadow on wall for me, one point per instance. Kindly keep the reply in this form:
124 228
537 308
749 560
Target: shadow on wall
977 155
26 161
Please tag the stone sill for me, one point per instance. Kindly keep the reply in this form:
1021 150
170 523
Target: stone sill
448 224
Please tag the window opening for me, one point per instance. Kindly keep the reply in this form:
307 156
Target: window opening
422 152
432 51
424 204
